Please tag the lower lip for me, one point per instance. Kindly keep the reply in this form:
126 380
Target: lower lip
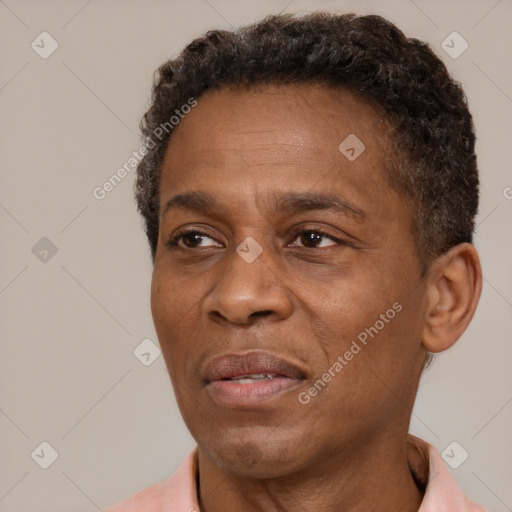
234 394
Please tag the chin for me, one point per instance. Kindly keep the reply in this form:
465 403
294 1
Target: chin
267 455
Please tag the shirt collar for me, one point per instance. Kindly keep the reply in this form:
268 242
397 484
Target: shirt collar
441 491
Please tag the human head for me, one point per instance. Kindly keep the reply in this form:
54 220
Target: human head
268 123
434 163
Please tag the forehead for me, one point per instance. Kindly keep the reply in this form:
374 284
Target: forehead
306 122
274 132
262 153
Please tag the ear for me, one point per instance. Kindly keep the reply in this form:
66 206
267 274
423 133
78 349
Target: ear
454 284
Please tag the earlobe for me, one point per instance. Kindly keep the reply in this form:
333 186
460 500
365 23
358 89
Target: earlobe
454 284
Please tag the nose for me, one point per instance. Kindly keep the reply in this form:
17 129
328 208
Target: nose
248 291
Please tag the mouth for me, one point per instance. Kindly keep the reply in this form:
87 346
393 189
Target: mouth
251 379
255 377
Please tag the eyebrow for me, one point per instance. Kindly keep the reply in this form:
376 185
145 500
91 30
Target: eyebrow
287 203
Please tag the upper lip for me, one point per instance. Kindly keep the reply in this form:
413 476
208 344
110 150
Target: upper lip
234 365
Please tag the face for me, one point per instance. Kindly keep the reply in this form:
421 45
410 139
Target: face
286 291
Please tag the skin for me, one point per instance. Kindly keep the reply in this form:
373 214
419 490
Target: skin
305 298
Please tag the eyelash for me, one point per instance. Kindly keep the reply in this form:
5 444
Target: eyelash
174 241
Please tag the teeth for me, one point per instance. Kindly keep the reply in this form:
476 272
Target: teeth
254 377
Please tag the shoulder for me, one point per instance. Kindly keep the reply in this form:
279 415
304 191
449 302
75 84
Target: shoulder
147 499
177 492
441 491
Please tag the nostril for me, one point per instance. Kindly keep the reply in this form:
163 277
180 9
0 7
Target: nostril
262 313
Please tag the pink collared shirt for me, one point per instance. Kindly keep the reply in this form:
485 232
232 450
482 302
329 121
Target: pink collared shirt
178 492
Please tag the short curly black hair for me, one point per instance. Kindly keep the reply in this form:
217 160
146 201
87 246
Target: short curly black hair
435 168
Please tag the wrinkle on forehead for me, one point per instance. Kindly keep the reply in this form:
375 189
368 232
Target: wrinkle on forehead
284 125
245 143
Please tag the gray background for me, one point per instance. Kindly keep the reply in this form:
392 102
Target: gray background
71 321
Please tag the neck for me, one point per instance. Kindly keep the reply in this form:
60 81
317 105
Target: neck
373 477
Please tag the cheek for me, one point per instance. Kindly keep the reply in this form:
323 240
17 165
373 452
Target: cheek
176 305
172 310
373 323
350 305
163 304
380 351
172 298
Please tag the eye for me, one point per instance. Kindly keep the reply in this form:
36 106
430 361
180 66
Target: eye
190 239
312 237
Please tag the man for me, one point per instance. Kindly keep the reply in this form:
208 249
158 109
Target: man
309 192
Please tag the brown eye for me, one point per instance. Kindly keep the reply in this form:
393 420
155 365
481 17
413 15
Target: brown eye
311 239
189 240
